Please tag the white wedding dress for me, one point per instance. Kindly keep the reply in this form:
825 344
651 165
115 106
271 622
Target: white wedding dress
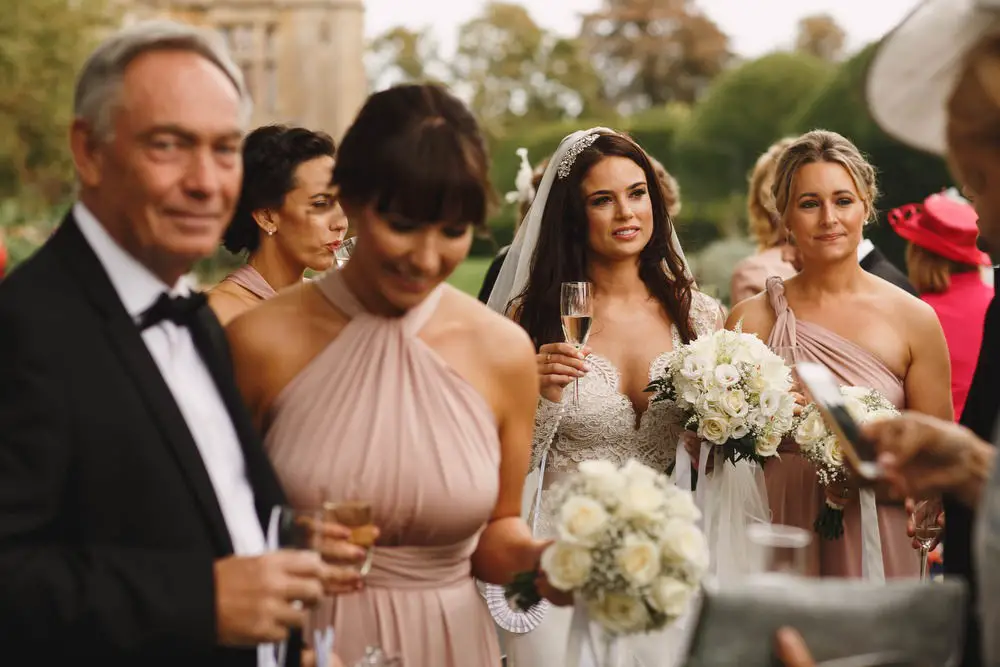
602 426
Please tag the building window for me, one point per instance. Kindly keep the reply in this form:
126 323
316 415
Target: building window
271 87
248 79
270 39
226 31
242 37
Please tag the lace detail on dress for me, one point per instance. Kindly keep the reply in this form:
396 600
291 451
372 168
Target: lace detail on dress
603 424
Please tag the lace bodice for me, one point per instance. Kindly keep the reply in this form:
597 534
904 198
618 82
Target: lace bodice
603 424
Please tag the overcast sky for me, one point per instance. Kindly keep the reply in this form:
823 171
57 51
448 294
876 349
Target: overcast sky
754 26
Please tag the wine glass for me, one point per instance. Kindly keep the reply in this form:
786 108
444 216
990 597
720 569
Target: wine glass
343 253
356 515
292 528
577 312
777 549
926 530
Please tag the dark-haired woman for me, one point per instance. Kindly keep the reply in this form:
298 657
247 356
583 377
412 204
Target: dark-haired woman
287 220
379 382
600 215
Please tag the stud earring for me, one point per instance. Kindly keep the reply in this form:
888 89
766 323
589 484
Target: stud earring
270 232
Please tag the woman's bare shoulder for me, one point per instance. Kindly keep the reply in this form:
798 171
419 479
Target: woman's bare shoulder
275 324
227 303
500 339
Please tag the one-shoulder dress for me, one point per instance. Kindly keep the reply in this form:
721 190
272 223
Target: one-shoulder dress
793 490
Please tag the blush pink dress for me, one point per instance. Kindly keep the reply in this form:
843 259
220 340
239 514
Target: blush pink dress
793 490
379 416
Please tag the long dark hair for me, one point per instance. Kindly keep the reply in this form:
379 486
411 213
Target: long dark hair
562 251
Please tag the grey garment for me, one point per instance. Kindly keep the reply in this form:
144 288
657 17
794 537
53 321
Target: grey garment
987 555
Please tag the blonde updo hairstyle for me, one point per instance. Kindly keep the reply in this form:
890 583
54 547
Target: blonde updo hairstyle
671 188
761 216
824 146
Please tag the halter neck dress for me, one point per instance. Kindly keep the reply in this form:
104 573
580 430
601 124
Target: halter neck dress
793 490
379 416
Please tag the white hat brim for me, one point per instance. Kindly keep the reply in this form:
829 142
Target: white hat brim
916 67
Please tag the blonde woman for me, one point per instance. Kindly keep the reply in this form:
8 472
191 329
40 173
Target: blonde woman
773 252
867 331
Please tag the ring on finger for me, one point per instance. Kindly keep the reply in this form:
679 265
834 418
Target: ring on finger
548 357
844 493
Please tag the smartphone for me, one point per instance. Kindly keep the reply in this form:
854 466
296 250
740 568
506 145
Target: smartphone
825 392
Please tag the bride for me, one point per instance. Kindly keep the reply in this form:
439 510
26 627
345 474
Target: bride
599 216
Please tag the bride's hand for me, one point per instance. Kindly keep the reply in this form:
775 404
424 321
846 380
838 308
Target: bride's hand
692 443
839 493
558 365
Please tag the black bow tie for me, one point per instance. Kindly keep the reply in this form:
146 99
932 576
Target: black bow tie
178 309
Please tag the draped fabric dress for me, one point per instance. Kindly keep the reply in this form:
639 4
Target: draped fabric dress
379 416
793 489
250 279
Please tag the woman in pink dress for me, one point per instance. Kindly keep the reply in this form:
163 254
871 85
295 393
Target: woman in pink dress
773 252
865 330
943 263
287 220
379 382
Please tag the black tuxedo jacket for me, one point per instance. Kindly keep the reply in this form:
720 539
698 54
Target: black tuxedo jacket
980 415
109 524
878 264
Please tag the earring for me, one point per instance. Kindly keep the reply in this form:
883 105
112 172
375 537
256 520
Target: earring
270 232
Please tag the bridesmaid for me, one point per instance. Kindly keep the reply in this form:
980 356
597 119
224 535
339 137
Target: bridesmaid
867 331
287 220
380 382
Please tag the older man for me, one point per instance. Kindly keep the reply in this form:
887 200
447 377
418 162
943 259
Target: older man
133 489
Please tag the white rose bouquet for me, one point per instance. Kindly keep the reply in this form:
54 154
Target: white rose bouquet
734 391
628 546
821 446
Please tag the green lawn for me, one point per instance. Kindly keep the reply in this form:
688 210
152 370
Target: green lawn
468 277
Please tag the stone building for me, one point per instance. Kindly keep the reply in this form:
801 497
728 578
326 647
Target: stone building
302 59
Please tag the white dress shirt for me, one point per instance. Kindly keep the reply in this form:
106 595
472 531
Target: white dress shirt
189 381
865 247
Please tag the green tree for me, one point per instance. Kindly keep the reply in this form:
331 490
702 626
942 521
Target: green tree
513 70
743 112
402 55
655 51
820 36
905 175
42 44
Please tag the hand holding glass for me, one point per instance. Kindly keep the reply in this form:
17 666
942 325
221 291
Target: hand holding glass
357 516
577 313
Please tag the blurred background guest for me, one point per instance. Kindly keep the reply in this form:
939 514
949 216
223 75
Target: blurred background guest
526 184
288 219
772 256
943 263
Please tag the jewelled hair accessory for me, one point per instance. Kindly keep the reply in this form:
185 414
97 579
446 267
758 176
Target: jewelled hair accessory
581 145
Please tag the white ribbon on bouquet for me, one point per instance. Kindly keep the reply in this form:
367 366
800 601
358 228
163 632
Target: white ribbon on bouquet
731 499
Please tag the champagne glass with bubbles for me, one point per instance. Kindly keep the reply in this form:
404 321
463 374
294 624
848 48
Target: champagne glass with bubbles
577 311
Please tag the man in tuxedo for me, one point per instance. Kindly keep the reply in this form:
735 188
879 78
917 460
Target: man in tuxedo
873 261
134 491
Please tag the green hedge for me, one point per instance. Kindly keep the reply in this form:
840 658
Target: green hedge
905 175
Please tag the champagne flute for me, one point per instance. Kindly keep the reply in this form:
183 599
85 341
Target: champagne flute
292 528
577 312
356 515
926 530
777 549
343 253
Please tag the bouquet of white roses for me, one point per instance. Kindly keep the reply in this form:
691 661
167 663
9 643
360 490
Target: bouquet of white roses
628 546
821 446
734 391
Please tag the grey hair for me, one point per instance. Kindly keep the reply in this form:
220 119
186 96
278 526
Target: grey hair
98 87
